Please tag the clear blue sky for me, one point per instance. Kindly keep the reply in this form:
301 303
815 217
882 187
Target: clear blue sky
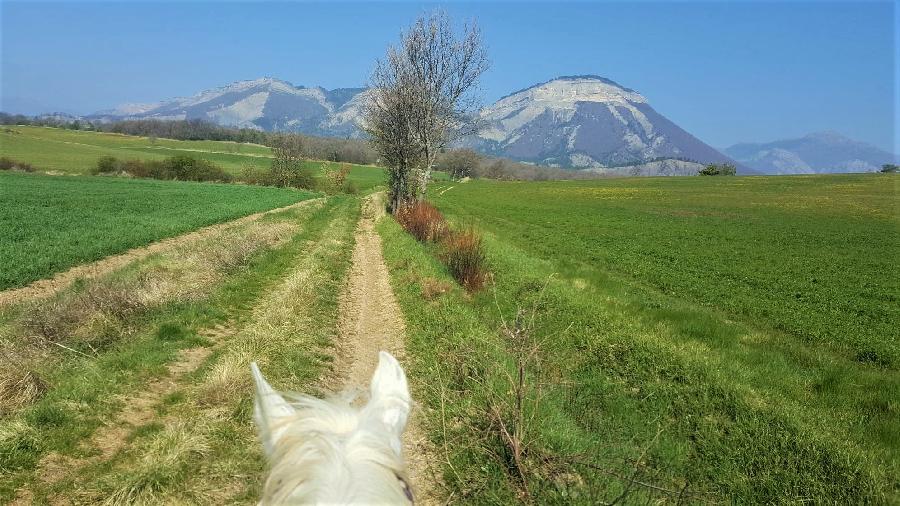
726 72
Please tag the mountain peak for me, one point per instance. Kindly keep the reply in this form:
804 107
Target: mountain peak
591 77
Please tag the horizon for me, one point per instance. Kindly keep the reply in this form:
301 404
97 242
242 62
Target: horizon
695 62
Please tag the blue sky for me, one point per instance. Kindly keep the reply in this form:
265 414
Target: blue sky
726 72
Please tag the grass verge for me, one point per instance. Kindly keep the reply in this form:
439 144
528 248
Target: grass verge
633 393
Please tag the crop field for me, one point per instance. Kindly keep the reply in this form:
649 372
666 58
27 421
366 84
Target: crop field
708 339
77 152
691 339
51 223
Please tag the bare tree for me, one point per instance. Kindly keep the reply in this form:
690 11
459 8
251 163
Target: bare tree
459 163
287 167
423 98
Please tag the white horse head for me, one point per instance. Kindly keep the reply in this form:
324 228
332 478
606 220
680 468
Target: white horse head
329 452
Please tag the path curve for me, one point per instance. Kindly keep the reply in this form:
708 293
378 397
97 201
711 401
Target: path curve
371 321
49 286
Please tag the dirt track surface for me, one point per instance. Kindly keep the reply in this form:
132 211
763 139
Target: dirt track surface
49 286
371 321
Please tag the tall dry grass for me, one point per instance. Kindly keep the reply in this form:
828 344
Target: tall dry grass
96 314
423 221
464 256
461 251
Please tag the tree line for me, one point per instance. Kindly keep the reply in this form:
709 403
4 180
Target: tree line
320 148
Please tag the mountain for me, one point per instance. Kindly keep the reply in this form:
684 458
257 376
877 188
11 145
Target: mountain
820 152
585 122
264 104
576 121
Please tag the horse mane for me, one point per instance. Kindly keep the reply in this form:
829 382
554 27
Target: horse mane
329 451
332 452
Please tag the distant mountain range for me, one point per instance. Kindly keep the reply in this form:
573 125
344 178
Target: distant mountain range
820 152
582 122
265 104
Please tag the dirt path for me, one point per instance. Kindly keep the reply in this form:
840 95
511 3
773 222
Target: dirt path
371 321
49 286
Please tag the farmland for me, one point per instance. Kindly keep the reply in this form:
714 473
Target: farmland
721 338
138 378
50 223
685 339
77 152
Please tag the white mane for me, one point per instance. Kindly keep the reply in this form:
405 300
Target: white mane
329 452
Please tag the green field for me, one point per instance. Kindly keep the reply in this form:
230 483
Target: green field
686 339
51 223
731 337
77 152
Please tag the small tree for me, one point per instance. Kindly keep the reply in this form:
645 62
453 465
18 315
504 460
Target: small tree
287 167
459 163
889 167
422 99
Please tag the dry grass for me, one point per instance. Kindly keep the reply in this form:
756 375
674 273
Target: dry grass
423 221
433 288
464 255
100 312
19 387
161 462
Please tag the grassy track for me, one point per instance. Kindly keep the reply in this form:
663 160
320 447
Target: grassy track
76 152
50 223
673 348
194 444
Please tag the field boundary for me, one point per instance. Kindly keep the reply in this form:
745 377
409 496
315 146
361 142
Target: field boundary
48 286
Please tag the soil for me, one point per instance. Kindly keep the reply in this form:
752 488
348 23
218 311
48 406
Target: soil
371 321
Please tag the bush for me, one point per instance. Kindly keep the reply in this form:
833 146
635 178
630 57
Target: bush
726 169
349 188
336 176
889 168
180 167
252 175
10 164
459 163
465 258
423 221
107 165
186 168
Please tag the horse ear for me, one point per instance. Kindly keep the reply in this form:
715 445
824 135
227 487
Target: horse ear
390 393
270 411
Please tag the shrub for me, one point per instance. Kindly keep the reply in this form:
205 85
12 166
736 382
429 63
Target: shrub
336 176
107 165
726 169
186 168
350 188
464 256
251 175
423 221
180 167
10 164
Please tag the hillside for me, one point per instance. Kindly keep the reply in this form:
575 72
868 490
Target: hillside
578 122
819 152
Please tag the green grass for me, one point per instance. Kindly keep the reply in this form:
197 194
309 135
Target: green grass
51 223
668 327
77 152
814 257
